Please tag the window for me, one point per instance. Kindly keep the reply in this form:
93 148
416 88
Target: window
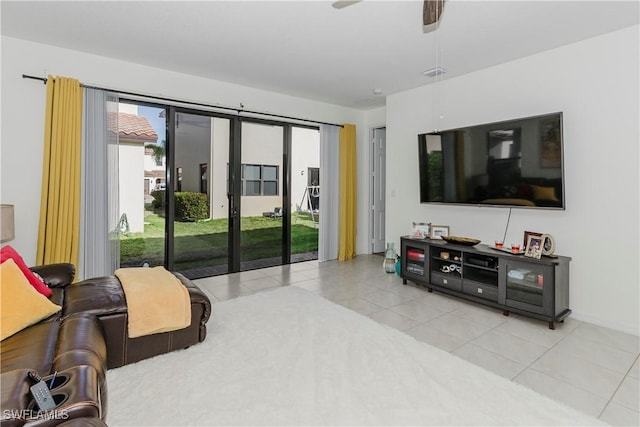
313 176
259 180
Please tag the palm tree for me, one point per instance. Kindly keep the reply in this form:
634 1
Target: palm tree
158 150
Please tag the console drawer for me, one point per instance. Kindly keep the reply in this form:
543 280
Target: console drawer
480 290
446 281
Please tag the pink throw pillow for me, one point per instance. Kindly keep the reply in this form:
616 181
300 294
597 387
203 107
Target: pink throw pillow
7 252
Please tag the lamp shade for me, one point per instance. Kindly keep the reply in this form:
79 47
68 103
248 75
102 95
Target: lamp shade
7 228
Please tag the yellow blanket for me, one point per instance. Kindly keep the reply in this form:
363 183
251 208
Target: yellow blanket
156 300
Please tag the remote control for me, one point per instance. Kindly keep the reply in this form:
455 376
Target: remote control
40 392
42 396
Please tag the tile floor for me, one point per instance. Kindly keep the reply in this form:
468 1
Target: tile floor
588 367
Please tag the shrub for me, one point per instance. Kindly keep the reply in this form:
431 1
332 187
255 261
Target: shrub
191 206
158 199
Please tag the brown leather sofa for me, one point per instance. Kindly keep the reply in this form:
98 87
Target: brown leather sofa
79 344
104 297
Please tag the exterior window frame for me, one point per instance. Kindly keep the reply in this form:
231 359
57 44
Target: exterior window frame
261 181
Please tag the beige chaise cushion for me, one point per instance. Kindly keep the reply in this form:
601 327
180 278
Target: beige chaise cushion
156 300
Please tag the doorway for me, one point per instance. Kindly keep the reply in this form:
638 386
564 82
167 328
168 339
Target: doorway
377 186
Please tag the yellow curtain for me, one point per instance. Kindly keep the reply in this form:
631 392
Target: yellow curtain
348 190
58 233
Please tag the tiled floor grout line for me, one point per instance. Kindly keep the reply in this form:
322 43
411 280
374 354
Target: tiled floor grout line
626 375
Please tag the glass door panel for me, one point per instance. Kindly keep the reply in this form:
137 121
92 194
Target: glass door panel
261 198
305 193
201 225
525 284
141 183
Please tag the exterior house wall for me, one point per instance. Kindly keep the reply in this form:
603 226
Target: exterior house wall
151 165
305 154
262 145
218 202
131 191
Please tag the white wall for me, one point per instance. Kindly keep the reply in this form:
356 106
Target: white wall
595 84
23 103
131 176
261 145
218 202
305 154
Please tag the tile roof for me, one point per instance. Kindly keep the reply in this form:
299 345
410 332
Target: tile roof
154 174
131 126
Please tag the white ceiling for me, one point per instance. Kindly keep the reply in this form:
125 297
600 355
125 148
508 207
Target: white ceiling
310 49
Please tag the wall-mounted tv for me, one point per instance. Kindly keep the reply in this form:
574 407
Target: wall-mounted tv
515 163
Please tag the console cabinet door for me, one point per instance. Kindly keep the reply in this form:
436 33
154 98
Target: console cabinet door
528 286
415 261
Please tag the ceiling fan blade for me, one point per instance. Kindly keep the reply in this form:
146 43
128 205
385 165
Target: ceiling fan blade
344 3
431 11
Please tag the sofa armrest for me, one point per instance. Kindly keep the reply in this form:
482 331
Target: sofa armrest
56 275
197 297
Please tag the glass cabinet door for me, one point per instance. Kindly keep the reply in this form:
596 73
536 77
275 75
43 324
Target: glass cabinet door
525 285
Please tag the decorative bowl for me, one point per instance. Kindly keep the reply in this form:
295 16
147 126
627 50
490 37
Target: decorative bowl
465 241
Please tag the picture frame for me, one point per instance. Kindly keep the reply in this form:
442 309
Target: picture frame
437 231
526 237
548 245
534 247
420 230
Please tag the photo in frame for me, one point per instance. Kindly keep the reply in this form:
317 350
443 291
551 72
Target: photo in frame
437 231
420 230
534 247
526 237
548 245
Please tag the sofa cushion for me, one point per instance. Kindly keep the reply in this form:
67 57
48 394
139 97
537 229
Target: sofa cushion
32 348
99 296
22 305
7 252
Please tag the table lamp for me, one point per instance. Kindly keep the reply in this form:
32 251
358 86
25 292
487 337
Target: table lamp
7 227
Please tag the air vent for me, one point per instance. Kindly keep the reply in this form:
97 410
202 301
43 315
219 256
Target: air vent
434 72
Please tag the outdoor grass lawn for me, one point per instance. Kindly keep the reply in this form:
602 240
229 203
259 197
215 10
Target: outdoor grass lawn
204 243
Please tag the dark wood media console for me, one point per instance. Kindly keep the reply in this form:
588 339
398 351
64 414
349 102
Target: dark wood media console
537 288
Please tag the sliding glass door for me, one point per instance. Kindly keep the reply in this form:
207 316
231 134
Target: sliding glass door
262 188
206 193
200 223
141 184
305 193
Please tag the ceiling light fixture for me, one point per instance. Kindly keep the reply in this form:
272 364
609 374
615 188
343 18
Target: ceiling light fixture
377 91
434 71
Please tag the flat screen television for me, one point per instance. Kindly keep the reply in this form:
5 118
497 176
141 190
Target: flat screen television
515 163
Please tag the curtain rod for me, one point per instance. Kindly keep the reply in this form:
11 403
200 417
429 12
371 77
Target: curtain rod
199 104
